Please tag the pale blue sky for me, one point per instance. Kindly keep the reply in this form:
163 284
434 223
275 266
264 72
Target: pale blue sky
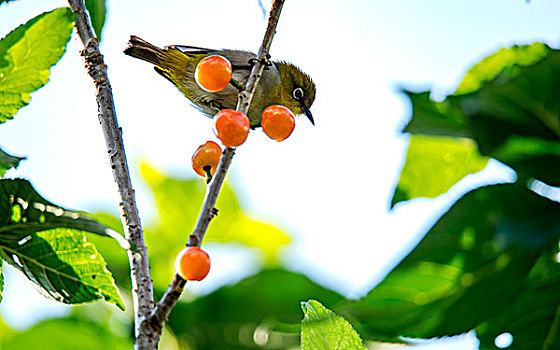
337 176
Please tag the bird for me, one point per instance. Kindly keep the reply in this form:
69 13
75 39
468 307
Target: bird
281 83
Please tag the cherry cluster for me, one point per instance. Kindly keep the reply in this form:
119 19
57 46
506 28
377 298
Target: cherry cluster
213 74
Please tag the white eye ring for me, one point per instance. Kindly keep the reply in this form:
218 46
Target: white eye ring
298 93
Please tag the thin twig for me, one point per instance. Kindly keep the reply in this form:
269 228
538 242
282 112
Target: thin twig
207 213
142 293
245 97
263 10
243 103
163 308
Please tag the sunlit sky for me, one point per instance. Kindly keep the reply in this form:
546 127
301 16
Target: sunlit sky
328 186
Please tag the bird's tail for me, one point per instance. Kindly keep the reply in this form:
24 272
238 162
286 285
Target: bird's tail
169 62
140 48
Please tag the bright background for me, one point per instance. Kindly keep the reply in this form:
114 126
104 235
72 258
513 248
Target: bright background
330 185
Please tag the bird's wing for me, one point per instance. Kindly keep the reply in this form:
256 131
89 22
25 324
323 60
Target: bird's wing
193 50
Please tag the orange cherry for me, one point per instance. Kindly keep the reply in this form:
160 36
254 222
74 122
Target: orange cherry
278 122
213 73
192 264
206 158
231 127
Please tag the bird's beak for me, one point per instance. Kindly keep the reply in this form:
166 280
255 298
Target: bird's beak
307 112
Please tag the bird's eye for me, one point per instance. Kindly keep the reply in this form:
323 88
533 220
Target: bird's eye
298 93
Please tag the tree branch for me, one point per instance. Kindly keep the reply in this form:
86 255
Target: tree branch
163 308
142 293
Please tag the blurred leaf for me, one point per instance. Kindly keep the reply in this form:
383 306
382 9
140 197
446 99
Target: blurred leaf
1 280
179 203
116 257
506 103
5 1
23 212
322 329
434 164
436 118
505 60
6 331
110 221
105 316
471 266
97 11
518 148
260 311
8 161
446 118
67 334
533 319
26 55
65 266
509 114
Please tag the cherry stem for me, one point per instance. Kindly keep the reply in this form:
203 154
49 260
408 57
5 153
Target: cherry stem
239 86
207 169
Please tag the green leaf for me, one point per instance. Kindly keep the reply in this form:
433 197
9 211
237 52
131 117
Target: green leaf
434 164
1 280
26 55
65 334
533 319
65 266
504 61
506 104
179 202
436 118
6 331
322 329
116 256
260 311
43 241
510 114
8 161
23 211
97 11
447 118
472 265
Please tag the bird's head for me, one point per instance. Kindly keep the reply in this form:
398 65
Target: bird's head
298 90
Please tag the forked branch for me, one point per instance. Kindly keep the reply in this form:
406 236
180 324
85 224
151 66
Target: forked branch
163 308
